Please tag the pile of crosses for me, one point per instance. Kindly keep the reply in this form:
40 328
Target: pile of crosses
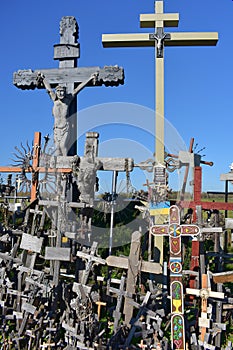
53 293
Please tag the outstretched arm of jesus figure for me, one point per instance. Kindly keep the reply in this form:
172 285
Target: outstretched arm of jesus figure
81 86
42 80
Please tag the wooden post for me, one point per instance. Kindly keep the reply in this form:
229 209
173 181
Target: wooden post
35 164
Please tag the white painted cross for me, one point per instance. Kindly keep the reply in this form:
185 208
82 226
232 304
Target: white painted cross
159 39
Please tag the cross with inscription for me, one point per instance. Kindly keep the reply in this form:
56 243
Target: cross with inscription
67 80
175 231
159 39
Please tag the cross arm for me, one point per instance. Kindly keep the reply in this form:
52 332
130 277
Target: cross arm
146 39
193 291
192 39
91 258
217 295
223 277
206 205
168 19
146 266
117 164
127 40
108 76
209 293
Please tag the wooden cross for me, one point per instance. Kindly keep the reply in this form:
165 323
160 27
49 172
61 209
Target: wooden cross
205 293
99 304
175 231
134 266
69 76
90 259
158 40
34 169
120 293
141 311
47 345
65 165
197 190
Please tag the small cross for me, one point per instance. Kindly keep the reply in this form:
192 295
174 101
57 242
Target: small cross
204 293
99 304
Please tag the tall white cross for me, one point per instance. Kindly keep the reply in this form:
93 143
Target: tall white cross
159 39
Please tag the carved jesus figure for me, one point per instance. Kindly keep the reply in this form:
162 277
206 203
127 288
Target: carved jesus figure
62 102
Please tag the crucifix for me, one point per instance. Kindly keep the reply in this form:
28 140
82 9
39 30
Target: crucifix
175 231
205 293
68 80
158 40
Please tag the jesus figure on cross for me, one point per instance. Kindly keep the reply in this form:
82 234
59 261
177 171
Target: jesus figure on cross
62 102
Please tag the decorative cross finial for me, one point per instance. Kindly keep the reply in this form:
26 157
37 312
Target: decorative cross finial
68 30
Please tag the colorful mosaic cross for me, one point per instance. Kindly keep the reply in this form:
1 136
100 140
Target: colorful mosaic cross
175 231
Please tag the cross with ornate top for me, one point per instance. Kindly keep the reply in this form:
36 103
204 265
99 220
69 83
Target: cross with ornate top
159 39
64 84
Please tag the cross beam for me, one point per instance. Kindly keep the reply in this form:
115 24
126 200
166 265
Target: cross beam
71 80
159 39
197 196
108 76
148 40
62 164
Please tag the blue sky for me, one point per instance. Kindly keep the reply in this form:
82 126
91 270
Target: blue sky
198 80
